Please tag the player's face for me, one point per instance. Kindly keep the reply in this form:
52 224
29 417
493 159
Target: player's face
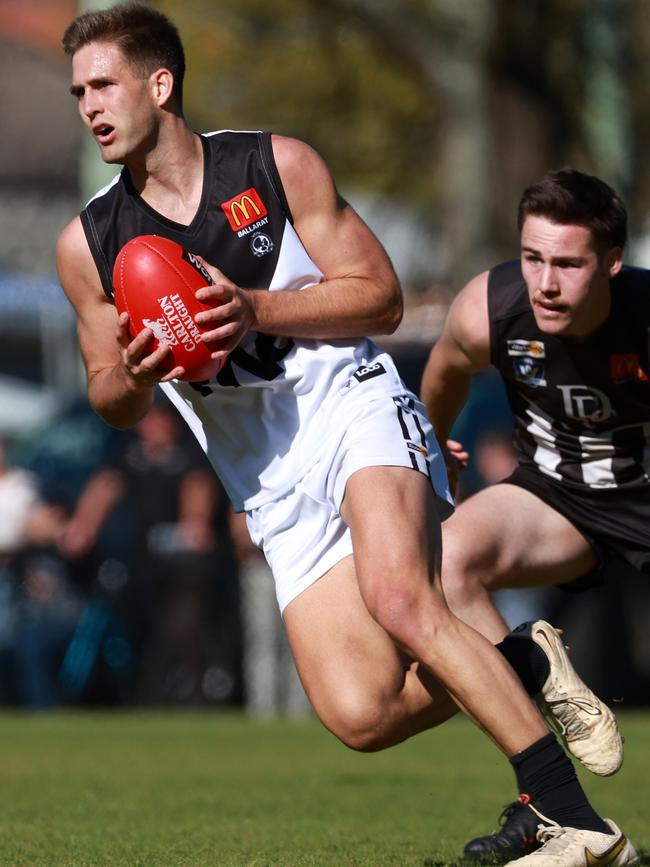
115 102
567 277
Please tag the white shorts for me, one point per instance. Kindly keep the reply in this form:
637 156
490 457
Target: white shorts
302 534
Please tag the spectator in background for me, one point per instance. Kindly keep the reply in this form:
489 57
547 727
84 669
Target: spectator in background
271 682
174 505
18 493
48 603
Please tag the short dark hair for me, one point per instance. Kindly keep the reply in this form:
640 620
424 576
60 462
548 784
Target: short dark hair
568 197
146 37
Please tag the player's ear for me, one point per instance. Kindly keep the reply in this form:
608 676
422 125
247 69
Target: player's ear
614 260
162 84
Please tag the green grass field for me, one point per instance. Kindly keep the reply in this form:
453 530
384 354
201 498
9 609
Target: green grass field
218 789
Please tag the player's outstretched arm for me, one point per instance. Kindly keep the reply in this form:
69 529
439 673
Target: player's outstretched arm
121 372
462 349
361 294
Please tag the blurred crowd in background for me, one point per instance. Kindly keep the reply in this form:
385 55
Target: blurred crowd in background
125 578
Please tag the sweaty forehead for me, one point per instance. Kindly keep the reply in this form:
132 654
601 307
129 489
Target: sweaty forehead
100 60
556 239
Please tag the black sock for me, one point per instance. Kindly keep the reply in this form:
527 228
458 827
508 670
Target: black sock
545 773
527 659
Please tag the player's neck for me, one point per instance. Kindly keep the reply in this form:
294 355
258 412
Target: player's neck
170 178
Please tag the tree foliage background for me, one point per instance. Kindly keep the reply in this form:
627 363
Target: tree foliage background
448 107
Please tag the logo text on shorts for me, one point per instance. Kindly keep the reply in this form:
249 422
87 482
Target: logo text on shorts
368 371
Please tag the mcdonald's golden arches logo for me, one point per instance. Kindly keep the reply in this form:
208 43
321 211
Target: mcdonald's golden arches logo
244 209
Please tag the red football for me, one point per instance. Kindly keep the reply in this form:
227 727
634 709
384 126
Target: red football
154 281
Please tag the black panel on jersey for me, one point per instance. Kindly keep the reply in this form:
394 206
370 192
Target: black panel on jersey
580 405
246 252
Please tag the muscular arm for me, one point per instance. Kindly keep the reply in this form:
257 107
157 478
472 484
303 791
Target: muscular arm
462 349
361 293
121 373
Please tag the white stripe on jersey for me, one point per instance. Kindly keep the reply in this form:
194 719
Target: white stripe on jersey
645 460
597 453
104 189
286 276
547 455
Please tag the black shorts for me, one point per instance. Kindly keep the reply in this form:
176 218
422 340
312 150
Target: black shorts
615 521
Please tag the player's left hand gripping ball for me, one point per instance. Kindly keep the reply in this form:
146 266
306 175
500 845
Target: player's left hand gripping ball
155 281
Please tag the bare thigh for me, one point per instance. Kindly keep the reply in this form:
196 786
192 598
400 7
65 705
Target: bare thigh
362 687
510 538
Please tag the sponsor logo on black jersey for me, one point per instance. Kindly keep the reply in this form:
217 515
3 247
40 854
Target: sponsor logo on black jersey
535 348
244 209
369 371
531 371
261 244
589 405
626 368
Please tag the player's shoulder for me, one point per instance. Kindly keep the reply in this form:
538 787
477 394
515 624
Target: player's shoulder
506 273
305 177
72 239
467 322
295 159
472 297
74 261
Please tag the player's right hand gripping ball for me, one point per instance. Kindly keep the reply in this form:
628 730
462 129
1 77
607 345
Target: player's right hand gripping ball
154 281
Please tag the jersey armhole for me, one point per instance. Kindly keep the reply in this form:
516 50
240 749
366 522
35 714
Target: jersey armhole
492 319
272 173
98 255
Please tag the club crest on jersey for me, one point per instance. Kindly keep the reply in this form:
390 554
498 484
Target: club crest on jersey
626 368
261 244
245 212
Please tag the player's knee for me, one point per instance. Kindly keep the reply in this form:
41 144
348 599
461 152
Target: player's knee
392 605
359 725
412 615
462 579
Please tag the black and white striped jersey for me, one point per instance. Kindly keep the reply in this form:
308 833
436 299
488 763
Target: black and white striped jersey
261 419
581 407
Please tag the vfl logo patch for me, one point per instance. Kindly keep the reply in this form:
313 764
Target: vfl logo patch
369 371
244 209
530 371
534 348
626 367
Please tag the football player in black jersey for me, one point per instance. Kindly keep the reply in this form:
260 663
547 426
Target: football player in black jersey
371 634
566 326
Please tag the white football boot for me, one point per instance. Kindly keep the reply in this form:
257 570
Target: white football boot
585 723
570 847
